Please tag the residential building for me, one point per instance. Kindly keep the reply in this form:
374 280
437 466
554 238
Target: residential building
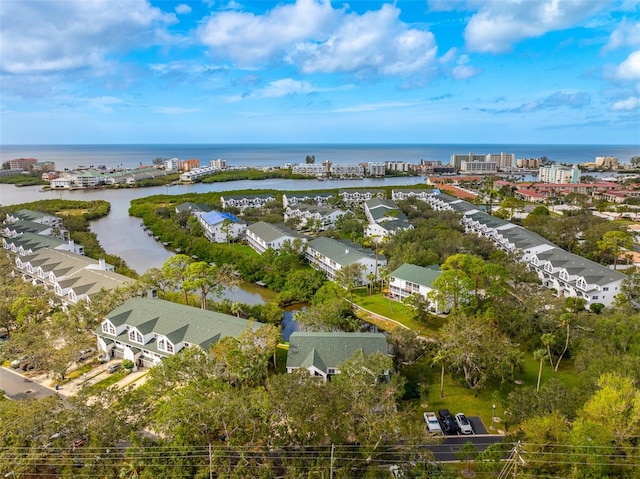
146 331
318 198
398 166
242 202
533 163
411 279
188 165
262 236
340 170
481 167
399 195
376 169
385 218
219 164
566 273
221 227
310 169
329 256
360 196
559 174
457 159
193 208
72 277
322 354
502 160
172 164
323 216
196 173
22 164
607 162
34 216
26 244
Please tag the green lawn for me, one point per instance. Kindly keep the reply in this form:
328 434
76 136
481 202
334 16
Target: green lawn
106 382
395 310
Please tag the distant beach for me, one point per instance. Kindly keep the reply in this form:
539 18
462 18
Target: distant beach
129 156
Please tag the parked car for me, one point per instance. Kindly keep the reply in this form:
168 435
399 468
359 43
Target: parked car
85 354
15 364
114 367
448 423
463 424
433 425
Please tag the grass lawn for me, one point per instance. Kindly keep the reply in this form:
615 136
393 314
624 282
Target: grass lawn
281 358
106 382
459 398
379 304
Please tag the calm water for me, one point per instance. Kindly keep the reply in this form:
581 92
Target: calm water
112 156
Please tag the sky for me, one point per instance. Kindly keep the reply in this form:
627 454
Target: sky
312 71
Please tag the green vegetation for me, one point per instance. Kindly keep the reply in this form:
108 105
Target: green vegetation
22 180
252 174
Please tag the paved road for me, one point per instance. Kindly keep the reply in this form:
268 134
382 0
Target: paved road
16 386
446 451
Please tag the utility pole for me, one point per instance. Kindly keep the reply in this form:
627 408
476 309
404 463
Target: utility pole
210 463
333 447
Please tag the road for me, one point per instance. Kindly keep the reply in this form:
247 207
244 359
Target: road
16 386
446 451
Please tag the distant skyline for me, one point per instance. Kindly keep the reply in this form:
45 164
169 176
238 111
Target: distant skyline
438 71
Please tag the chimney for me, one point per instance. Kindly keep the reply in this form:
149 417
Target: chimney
102 264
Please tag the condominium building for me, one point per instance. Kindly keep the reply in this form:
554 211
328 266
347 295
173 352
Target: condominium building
559 174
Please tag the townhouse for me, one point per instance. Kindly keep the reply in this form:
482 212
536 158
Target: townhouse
28 243
72 277
243 202
221 227
385 218
411 279
261 236
323 353
318 198
323 216
399 195
565 273
146 330
360 196
329 256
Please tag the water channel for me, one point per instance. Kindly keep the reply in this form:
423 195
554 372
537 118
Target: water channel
122 235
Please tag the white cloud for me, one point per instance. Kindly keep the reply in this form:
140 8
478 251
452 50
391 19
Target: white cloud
183 9
463 70
376 42
314 37
625 34
631 103
366 107
630 68
250 39
49 37
500 23
284 87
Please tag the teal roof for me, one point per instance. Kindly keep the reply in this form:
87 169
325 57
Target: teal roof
269 232
417 274
330 350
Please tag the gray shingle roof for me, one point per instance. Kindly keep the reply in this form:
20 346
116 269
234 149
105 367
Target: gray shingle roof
341 251
270 232
330 350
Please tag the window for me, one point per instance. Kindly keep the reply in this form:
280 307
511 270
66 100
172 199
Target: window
108 328
594 297
606 288
135 336
165 345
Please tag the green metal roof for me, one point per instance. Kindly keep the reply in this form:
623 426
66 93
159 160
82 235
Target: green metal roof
417 274
270 232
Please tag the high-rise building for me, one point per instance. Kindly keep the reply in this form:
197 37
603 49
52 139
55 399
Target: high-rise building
559 174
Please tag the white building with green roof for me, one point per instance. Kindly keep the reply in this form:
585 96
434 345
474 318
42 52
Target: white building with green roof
146 330
329 256
323 353
262 235
411 279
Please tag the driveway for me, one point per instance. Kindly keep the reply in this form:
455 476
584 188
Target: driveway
16 386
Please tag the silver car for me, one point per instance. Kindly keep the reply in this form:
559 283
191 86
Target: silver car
463 424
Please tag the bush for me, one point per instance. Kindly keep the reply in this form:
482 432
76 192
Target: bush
127 364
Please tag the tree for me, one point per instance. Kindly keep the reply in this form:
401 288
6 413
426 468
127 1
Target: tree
540 355
226 227
310 159
566 320
635 161
468 453
349 277
613 241
174 271
418 306
200 276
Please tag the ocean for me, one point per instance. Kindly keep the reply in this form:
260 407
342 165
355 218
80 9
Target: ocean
129 156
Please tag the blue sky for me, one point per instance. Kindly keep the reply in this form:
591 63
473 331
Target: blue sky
309 71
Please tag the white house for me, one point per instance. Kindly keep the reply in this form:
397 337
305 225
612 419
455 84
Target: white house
262 236
146 331
325 216
242 202
329 256
221 227
411 279
385 218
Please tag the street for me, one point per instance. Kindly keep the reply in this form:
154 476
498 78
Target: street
16 386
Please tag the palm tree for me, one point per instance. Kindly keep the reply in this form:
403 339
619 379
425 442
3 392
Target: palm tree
440 358
566 319
540 355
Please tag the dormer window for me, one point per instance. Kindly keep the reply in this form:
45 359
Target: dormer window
165 345
108 328
72 296
564 275
548 268
581 283
135 336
